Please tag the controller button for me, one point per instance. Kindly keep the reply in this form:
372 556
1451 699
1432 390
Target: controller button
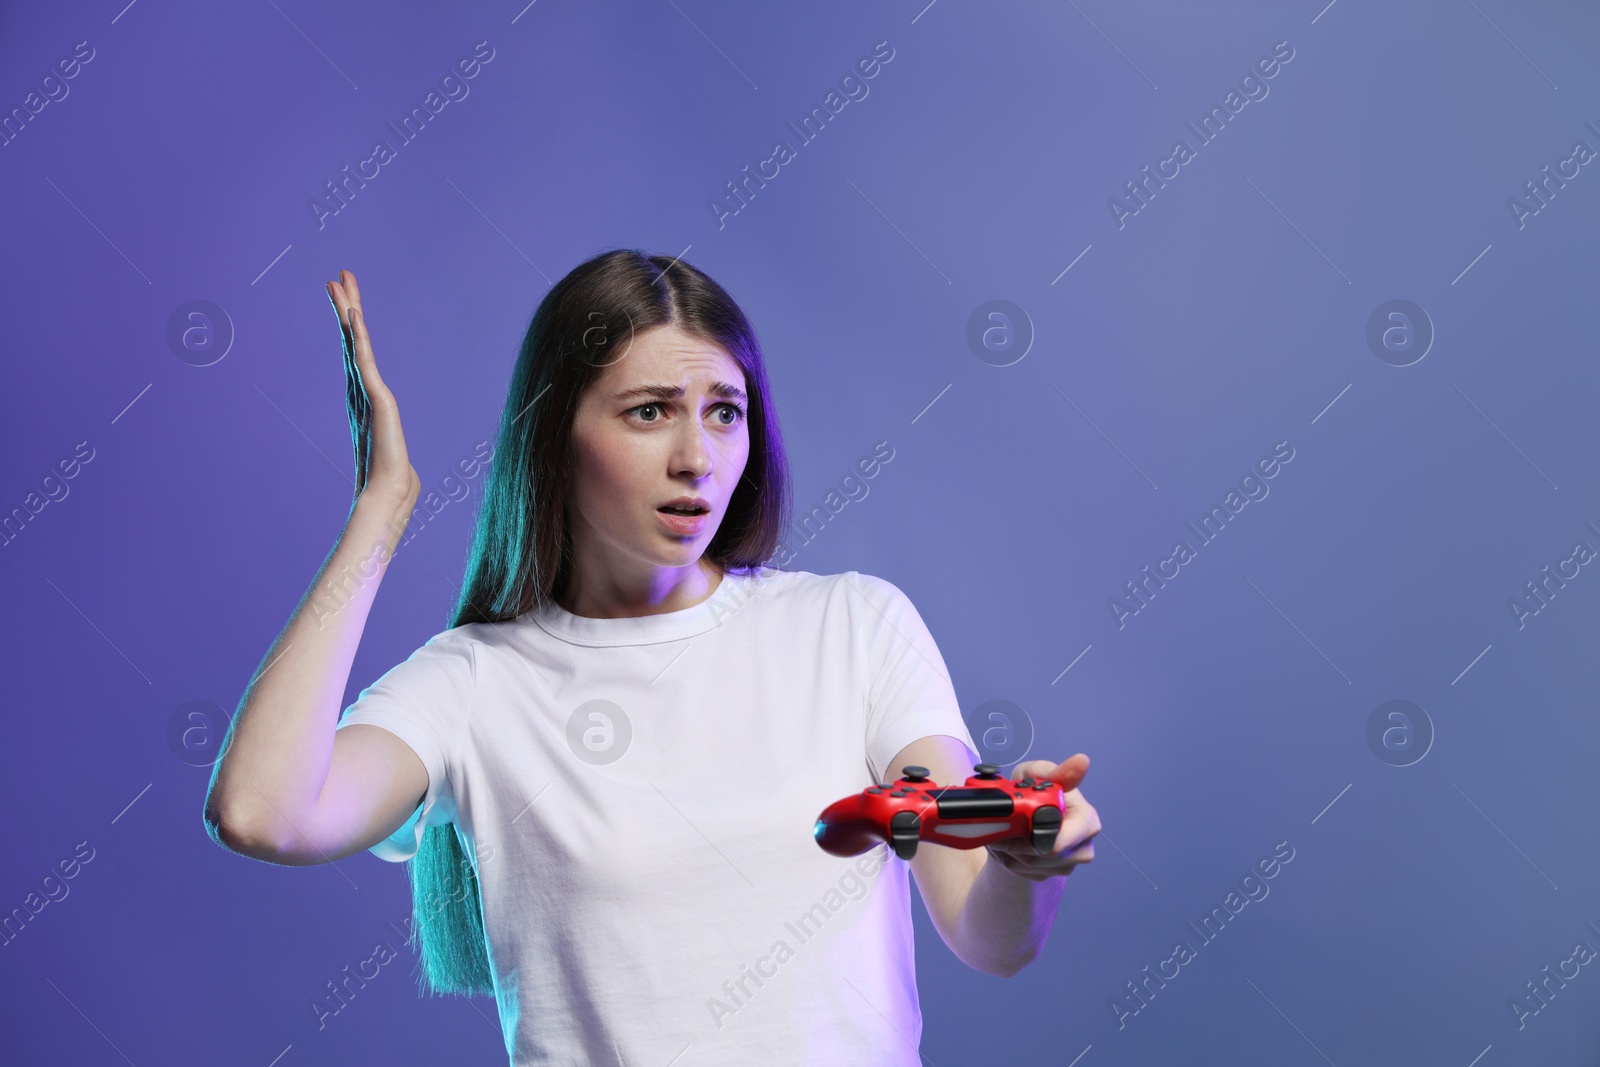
987 771
914 773
874 789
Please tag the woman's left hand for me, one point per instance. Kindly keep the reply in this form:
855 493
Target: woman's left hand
1079 824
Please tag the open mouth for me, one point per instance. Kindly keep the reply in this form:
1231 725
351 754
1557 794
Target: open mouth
670 510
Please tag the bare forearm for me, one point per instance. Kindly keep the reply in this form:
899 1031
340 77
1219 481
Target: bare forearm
281 743
1006 918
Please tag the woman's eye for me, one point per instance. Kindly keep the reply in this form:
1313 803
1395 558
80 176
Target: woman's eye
637 412
656 411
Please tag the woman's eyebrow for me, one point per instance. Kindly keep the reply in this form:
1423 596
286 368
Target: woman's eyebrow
673 392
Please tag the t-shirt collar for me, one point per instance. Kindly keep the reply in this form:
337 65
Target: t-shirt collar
644 629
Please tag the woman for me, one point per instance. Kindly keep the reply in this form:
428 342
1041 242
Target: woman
605 772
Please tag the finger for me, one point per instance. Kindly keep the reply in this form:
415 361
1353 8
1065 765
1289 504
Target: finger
342 307
1066 774
1023 854
1076 829
365 361
362 382
1040 868
336 298
384 411
1012 846
1070 772
343 299
352 290
352 374
1034 768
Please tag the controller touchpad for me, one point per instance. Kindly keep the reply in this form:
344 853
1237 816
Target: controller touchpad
956 802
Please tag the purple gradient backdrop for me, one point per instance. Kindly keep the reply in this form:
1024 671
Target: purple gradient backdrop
1229 314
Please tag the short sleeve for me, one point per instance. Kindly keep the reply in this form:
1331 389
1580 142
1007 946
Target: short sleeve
908 690
425 701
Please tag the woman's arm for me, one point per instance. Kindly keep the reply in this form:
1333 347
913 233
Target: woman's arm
276 761
994 905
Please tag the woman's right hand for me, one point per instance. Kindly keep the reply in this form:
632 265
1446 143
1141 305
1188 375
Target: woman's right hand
382 466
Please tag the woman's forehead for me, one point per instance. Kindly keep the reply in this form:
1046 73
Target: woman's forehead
667 355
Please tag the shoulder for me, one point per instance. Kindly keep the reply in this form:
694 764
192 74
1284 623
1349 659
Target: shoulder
459 645
808 586
449 653
880 611
866 602
462 638
873 594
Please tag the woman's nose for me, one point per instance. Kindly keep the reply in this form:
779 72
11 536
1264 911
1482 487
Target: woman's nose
693 451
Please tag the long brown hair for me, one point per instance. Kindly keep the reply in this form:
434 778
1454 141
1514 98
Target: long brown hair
521 555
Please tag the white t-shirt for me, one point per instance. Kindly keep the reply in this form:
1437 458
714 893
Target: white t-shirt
639 796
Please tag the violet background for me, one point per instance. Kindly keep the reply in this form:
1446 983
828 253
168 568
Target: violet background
1230 314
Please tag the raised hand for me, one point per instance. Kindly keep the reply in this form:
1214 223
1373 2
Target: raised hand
382 465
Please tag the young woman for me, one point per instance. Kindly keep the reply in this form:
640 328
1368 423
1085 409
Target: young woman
605 772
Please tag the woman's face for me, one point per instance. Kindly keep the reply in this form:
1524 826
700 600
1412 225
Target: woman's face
665 421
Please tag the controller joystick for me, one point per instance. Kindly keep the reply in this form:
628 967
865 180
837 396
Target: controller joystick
987 808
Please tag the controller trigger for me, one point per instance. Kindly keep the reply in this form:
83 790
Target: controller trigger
1046 824
905 829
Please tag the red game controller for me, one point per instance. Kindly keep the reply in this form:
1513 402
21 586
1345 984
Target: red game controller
988 808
